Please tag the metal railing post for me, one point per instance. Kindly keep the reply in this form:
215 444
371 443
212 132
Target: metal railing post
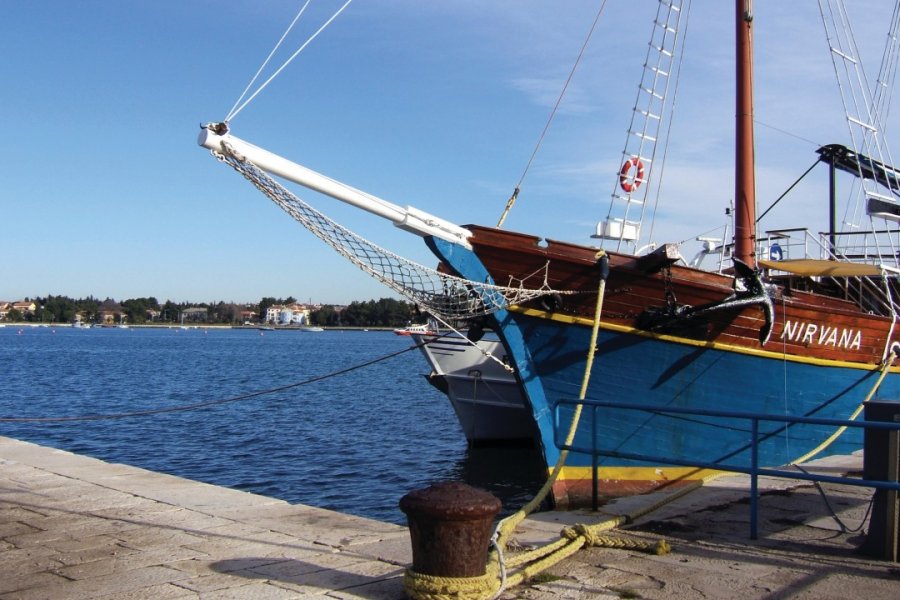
754 483
892 543
891 484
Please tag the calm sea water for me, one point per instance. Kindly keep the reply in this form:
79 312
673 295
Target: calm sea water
356 442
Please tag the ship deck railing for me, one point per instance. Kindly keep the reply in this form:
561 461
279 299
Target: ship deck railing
875 247
754 470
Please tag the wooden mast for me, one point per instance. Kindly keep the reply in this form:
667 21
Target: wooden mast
744 181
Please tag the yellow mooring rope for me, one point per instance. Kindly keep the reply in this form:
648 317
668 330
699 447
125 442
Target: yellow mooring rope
527 564
885 367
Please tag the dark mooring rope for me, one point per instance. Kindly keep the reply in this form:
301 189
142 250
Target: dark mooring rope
208 403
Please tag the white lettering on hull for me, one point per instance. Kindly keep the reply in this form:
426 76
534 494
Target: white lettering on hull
822 335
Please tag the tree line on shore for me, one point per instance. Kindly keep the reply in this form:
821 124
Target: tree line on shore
386 312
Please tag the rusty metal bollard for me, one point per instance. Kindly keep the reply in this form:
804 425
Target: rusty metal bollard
450 527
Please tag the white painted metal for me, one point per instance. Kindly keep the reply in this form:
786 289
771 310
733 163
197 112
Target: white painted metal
408 218
486 398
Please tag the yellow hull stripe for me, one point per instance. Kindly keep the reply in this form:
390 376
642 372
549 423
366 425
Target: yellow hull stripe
585 322
655 474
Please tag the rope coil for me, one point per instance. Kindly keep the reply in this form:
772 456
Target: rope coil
432 587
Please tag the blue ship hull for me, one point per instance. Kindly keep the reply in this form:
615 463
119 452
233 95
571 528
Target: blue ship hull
636 366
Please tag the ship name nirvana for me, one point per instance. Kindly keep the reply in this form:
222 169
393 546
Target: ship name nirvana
811 333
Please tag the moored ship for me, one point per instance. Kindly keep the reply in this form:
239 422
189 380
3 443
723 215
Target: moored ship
802 331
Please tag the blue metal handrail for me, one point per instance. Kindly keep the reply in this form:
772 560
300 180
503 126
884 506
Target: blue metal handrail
754 470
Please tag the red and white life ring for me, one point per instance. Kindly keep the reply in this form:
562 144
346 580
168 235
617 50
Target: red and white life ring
628 181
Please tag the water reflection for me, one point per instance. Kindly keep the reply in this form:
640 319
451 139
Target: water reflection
513 474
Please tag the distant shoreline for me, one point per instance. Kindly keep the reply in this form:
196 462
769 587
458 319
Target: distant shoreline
196 326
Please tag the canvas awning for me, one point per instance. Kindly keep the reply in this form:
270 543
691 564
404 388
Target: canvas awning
814 268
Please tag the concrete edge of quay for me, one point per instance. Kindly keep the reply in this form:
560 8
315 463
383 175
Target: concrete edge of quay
76 527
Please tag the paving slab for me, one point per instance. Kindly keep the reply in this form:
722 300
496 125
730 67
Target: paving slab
73 527
807 547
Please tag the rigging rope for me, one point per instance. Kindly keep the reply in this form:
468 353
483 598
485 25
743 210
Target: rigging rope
234 112
787 191
512 199
657 193
446 296
884 82
265 62
208 403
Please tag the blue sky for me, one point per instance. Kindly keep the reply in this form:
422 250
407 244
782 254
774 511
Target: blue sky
438 105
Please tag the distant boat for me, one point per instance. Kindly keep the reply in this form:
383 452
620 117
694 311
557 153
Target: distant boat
81 325
417 329
484 395
311 329
266 328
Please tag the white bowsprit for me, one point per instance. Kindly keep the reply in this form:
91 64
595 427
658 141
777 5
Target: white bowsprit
443 295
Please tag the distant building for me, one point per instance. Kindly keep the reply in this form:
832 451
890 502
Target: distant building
294 314
25 306
273 313
300 315
110 312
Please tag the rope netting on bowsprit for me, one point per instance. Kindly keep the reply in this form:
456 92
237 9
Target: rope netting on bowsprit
445 296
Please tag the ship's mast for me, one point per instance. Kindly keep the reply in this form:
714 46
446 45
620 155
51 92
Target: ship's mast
744 181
